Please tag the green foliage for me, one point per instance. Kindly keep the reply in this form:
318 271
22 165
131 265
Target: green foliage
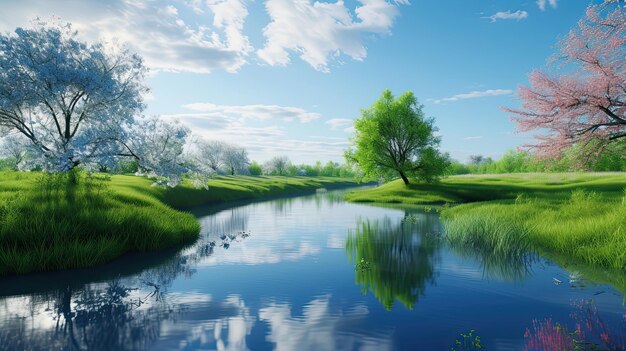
610 160
126 166
6 164
53 221
568 217
292 170
330 169
58 221
255 169
393 137
363 265
468 342
501 247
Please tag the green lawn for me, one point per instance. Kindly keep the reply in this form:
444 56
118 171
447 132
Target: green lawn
48 224
574 218
230 188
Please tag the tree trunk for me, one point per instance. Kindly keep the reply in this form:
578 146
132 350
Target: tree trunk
404 178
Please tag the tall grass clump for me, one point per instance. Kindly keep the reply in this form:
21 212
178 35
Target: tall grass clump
501 246
573 218
578 226
488 233
63 221
588 227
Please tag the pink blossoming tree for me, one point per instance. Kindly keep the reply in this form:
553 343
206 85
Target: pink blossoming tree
583 100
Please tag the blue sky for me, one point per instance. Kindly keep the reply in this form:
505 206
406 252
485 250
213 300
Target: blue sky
287 77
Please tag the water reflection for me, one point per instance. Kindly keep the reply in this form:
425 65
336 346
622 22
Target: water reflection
320 329
226 222
586 330
108 316
112 316
230 230
401 256
283 206
210 325
504 253
507 264
121 313
287 285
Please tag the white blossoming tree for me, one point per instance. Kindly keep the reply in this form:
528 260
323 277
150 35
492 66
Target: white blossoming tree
277 166
235 159
14 148
79 104
211 153
221 157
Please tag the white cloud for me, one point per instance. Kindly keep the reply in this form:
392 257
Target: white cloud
257 255
473 137
220 127
508 15
216 325
154 29
339 122
297 150
239 124
542 4
473 95
320 328
335 242
326 137
230 15
320 30
261 112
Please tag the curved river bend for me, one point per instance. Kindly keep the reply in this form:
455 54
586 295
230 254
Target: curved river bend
312 273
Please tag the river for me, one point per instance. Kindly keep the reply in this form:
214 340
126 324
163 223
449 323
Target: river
312 273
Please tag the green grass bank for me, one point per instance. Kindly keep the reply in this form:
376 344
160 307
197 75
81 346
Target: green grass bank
48 223
577 219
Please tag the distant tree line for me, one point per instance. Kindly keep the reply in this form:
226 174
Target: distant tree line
282 166
610 160
217 157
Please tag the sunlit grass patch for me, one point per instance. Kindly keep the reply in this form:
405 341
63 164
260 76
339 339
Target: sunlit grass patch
572 217
49 223
52 224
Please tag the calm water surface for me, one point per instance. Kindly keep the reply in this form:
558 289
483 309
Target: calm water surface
281 275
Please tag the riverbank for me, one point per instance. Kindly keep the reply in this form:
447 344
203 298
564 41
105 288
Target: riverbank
574 218
48 223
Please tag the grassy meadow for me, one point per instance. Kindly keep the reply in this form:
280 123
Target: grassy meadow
574 218
232 188
48 223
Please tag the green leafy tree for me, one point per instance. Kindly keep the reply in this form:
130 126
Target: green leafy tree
292 170
255 169
331 169
393 137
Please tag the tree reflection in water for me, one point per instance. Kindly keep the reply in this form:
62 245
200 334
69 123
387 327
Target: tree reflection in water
124 313
107 316
401 256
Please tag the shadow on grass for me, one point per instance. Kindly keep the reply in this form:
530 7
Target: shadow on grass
64 223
